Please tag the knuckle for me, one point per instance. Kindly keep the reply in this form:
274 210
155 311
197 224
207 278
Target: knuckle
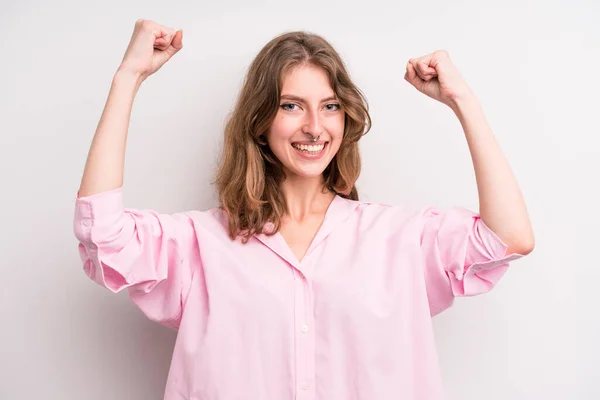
147 24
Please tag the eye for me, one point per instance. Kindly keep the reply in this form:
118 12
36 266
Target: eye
288 106
332 107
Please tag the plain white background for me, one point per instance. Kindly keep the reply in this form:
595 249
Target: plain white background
532 64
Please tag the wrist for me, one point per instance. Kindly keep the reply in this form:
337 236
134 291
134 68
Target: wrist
463 102
127 75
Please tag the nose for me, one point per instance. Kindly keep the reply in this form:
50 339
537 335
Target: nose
312 124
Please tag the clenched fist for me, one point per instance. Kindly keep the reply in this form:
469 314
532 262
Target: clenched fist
150 47
436 76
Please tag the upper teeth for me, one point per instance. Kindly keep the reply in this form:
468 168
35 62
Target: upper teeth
311 147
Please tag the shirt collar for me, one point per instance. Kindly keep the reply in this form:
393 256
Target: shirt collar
338 211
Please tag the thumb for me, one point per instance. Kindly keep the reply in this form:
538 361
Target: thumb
174 46
411 75
177 42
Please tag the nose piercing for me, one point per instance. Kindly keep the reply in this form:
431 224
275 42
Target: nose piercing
314 139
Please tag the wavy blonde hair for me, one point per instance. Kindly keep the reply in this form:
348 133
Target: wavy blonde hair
249 175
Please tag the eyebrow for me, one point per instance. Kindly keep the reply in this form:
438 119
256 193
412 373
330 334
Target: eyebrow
301 100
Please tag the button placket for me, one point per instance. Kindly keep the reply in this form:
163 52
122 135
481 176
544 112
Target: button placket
309 337
304 338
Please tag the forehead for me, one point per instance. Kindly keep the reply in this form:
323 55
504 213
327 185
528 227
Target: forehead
306 81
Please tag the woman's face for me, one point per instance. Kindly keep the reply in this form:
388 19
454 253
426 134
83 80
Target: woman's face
307 108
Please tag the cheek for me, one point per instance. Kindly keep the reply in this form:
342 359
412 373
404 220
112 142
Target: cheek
282 128
336 127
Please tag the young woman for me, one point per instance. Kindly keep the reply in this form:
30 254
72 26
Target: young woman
293 288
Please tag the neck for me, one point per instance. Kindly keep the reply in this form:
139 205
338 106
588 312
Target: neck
305 197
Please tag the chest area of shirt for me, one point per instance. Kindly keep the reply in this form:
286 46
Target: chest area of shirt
368 278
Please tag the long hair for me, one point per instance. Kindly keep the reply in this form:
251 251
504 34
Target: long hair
249 175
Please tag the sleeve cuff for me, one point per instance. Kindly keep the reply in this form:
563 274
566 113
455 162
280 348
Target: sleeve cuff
480 276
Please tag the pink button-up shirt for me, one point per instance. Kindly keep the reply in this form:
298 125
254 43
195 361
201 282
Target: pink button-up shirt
352 320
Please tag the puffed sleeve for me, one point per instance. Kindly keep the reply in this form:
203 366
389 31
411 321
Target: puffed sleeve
147 253
462 256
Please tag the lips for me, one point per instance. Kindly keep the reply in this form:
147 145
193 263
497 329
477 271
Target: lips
310 142
310 151
309 147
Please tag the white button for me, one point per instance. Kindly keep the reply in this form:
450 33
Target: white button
304 328
86 222
92 246
304 385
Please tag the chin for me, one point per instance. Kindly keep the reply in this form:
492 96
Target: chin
305 173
